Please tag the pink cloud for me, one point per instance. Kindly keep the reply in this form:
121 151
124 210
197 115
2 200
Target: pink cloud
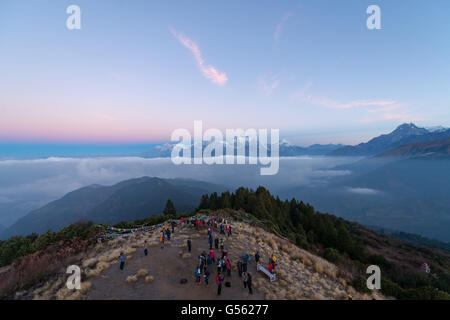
208 71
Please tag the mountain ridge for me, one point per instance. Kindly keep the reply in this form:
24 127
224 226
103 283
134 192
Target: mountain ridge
404 134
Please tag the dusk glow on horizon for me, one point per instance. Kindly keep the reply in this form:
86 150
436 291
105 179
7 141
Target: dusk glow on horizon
136 71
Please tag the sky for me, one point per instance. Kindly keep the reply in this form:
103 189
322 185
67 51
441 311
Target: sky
138 70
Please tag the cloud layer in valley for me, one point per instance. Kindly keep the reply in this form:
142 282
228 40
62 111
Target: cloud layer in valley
29 184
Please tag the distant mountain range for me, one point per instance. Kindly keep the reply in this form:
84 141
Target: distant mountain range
127 200
404 134
430 149
285 150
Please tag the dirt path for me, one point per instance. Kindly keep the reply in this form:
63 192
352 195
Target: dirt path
167 268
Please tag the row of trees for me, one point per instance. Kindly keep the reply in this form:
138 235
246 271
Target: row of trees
296 220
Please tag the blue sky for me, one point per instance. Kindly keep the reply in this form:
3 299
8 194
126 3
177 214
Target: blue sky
137 70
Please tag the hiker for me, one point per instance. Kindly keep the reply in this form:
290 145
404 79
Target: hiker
212 255
189 244
145 248
224 265
219 281
271 268
216 243
197 275
210 240
244 266
122 260
209 260
257 257
221 243
240 225
173 227
206 275
273 260
222 229
219 265
229 230
249 283
244 279
228 264
168 235
162 241
239 267
201 262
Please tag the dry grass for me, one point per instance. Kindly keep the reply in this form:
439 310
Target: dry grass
186 255
89 262
101 266
85 286
149 279
141 273
132 279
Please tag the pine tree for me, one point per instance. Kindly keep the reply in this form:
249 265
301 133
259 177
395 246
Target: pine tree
169 210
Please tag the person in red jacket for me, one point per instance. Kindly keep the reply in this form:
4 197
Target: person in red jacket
212 255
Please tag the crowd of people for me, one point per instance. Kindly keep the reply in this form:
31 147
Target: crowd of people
216 233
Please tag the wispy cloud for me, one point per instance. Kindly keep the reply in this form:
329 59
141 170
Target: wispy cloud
208 71
378 110
279 27
365 191
268 84
303 96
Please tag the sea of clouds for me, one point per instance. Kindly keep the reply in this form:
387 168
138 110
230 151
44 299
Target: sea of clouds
28 184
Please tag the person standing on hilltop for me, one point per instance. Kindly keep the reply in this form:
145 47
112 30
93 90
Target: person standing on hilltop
219 281
239 267
257 257
216 243
228 264
249 283
210 240
168 234
122 260
244 279
145 248
162 240
219 265
212 255
206 275
244 265
189 244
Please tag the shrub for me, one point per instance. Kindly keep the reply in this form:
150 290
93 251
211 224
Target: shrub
332 255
